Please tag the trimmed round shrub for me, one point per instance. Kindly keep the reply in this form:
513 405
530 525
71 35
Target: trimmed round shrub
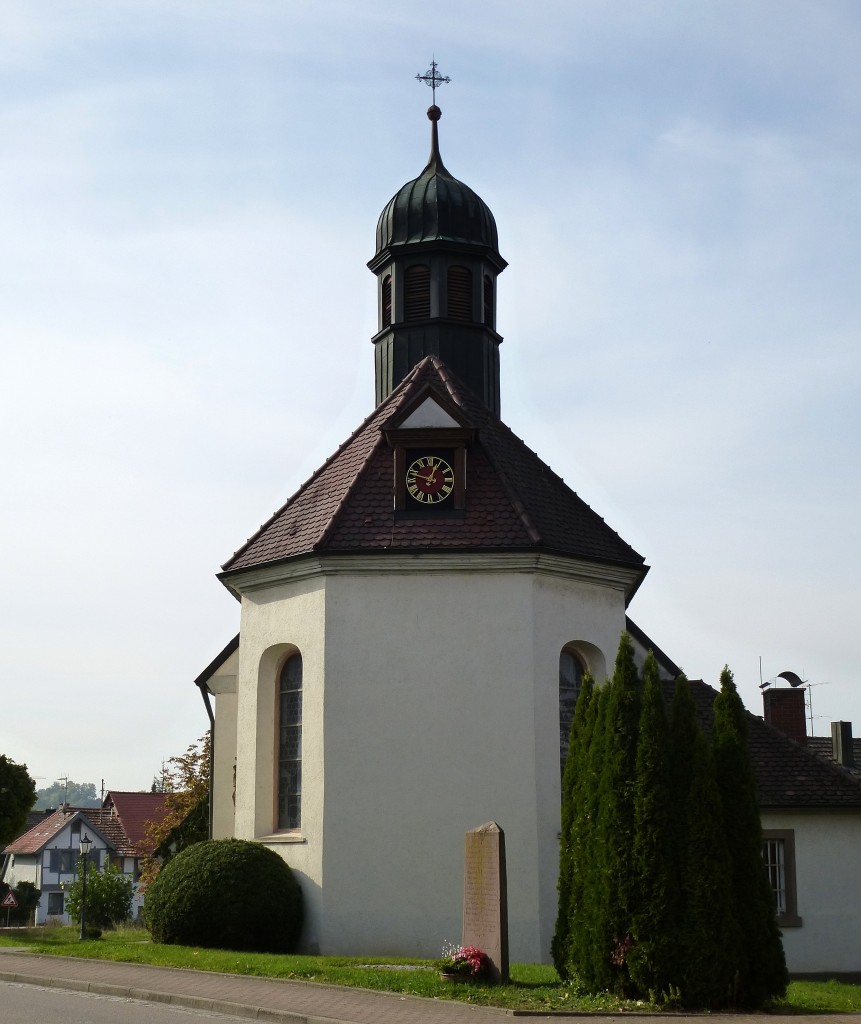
226 894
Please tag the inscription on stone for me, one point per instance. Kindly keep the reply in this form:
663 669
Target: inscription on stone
485 896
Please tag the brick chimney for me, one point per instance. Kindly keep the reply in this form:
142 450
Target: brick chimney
841 744
785 710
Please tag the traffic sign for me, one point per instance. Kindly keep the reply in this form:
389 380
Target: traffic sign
9 900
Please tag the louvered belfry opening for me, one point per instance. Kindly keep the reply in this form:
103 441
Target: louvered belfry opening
417 292
460 293
387 300
488 300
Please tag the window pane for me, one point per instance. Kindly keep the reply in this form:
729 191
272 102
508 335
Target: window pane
775 865
290 743
570 677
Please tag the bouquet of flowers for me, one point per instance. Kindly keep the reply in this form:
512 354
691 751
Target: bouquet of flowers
468 962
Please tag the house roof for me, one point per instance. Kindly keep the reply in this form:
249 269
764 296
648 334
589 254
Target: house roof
218 661
788 775
823 747
515 501
134 812
39 835
121 823
45 831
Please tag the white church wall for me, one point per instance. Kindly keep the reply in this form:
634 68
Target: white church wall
431 690
429 732
225 758
828 890
222 684
274 624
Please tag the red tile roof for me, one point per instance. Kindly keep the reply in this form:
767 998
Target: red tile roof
788 775
135 811
121 821
515 501
39 835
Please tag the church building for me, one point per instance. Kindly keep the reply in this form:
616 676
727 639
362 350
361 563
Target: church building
415 621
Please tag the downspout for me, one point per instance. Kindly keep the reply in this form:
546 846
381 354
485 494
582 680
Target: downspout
205 692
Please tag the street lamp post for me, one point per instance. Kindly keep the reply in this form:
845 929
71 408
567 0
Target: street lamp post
84 847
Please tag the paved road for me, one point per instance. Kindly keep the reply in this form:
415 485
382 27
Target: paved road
32 1004
291 1002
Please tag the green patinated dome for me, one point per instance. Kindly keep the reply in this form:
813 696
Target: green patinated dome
436 207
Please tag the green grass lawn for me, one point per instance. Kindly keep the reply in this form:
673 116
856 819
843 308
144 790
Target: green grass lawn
533 986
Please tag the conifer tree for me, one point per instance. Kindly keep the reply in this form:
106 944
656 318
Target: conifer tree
707 933
655 905
762 971
585 855
615 825
573 793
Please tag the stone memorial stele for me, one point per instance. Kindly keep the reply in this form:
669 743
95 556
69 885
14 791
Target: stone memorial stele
485 896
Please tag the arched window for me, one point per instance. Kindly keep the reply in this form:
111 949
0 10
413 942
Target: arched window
571 670
290 743
460 293
387 300
488 300
417 292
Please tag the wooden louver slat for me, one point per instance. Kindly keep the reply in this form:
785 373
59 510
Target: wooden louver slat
460 293
417 292
387 300
488 300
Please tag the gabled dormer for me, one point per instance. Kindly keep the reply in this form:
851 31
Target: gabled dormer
429 437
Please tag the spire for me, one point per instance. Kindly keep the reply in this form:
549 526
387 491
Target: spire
437 259
433 78
435 163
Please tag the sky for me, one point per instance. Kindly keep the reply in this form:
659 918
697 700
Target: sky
188 198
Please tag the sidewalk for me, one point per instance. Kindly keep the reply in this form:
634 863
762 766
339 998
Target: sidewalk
293 1002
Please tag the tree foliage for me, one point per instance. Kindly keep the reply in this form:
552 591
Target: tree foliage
17 796
656 888
655 908
27 896
226 894
570 857
109 897
762 969
613 893
76 794
185 782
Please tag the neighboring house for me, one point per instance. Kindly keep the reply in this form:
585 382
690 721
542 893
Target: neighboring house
47 855
810 807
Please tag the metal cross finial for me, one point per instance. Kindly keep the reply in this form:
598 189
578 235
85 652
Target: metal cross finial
433 78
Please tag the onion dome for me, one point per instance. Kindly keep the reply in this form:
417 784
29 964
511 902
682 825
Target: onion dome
436 207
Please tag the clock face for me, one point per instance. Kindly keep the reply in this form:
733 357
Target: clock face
430 480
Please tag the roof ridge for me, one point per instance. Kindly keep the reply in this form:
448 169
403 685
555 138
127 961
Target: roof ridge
366 422
385 408
497 422
337 515
454 386
513 496
390 404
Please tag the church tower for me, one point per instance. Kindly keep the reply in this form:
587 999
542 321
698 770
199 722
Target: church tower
411 619
437 260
